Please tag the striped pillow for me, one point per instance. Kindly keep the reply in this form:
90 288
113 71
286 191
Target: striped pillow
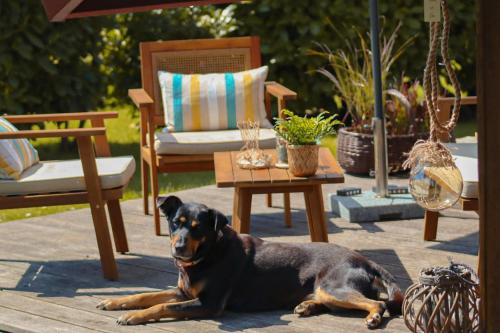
16 155
213 101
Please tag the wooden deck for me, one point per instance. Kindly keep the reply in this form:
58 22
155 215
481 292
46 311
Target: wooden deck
50 277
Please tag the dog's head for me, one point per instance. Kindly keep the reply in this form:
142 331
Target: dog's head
194 228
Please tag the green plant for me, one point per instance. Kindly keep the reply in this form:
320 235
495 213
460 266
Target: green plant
120 44
405 108
352 74
287 31
48 67
297 130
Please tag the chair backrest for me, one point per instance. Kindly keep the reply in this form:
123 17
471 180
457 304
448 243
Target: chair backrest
445 104
200 56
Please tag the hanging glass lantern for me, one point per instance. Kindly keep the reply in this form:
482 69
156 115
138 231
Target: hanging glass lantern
435 187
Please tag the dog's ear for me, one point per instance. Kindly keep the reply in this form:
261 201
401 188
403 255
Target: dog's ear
219 220
169 205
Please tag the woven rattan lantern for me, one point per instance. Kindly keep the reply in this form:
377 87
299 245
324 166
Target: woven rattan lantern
446 299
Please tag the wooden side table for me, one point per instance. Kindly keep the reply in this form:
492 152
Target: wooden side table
274 180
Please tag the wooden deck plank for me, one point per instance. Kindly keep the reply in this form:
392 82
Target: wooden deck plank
104 322
21 321
56 264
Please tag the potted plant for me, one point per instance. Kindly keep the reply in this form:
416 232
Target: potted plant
351 73
303 135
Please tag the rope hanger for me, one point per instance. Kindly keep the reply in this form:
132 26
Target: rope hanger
431 77
432 151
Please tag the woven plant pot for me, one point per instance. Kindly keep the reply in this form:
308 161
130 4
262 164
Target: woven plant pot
355 151
303 160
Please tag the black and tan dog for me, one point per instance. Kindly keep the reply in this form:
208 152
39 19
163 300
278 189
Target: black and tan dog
219 270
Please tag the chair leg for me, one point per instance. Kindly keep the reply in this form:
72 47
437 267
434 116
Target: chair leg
288 214
97 209
431 225
155 193
104 245
116 218
145 186
269 200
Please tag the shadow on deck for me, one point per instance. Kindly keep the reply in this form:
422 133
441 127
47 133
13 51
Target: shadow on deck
50 276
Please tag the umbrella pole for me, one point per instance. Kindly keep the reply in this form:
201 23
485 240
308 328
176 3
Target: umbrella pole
379 130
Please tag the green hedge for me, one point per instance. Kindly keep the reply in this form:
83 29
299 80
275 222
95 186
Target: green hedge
80 64
47 67
288 29
120 53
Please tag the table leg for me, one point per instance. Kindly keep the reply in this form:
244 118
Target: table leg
242 204
288 214
316 214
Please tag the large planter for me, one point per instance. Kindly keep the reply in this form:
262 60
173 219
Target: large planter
303 160
355 152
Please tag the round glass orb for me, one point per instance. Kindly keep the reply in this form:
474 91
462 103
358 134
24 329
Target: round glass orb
435 187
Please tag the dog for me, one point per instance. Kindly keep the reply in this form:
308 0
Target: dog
220 269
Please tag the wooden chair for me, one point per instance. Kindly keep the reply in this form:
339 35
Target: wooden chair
467 204
90 190
188 57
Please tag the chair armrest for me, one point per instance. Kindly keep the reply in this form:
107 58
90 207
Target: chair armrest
279 91
466 100
140 97
59 133
37 118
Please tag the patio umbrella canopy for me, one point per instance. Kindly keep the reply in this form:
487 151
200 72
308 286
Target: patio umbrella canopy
60 10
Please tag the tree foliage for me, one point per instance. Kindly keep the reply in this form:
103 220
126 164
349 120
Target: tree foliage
47 67
75 65
288 29
120 52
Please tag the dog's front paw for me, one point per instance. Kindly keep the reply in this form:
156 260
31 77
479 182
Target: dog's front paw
110 304
131 318
374 320
305 309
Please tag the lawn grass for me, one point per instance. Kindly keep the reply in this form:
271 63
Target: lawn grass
123 135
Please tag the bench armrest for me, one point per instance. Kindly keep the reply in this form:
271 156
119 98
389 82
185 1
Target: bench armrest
279 91
140 97
59 133
37 118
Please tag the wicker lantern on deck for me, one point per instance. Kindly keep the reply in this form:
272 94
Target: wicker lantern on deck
446 299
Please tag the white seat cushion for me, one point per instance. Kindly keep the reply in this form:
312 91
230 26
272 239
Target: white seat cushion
465 155
67 176
207 142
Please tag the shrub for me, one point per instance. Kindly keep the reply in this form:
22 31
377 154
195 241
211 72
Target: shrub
47 67
287 29
120 50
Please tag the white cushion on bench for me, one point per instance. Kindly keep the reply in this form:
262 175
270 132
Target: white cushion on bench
67 176
466 160
207 142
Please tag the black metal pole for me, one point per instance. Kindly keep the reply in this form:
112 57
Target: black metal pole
379 132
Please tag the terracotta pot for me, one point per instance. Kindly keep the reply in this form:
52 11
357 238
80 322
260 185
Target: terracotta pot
355 152
303 160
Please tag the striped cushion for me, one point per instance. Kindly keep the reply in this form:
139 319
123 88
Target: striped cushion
213 101
16 155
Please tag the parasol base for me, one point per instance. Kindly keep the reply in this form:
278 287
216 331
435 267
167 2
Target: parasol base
366 207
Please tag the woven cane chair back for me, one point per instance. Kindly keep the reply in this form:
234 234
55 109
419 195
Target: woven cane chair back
198 56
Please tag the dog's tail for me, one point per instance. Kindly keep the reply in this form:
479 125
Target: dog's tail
394 303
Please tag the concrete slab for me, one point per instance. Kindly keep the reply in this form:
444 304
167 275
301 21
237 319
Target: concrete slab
366 207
